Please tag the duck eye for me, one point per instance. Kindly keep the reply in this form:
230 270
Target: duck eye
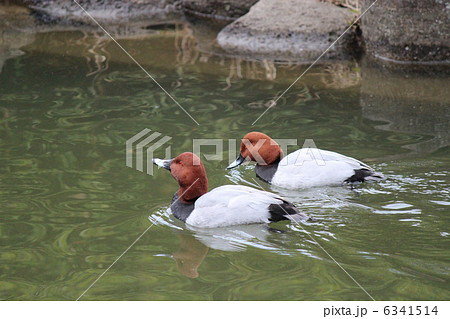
180 162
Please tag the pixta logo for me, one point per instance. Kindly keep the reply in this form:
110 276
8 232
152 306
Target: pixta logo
151 141
144 140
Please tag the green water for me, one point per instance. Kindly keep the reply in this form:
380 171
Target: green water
70 206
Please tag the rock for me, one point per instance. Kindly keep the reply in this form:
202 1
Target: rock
290 30
218 9
104 11
407 30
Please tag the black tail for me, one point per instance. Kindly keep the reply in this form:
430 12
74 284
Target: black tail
285 211
364 174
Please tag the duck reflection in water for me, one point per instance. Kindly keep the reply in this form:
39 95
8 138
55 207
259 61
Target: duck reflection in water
195 246
189 255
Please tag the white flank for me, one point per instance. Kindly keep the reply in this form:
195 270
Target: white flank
315 167
230 205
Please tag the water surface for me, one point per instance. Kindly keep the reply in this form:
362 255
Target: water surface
70 206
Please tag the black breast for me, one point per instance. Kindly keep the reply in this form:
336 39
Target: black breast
180 209
266 172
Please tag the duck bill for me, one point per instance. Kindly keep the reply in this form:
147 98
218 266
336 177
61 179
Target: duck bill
162 163
237 162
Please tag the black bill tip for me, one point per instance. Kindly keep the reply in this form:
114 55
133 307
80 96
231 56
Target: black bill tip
237 162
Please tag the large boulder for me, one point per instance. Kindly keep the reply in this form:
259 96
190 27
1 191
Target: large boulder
407 30
291 30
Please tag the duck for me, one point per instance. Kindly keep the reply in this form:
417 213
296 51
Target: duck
223 206
304 168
